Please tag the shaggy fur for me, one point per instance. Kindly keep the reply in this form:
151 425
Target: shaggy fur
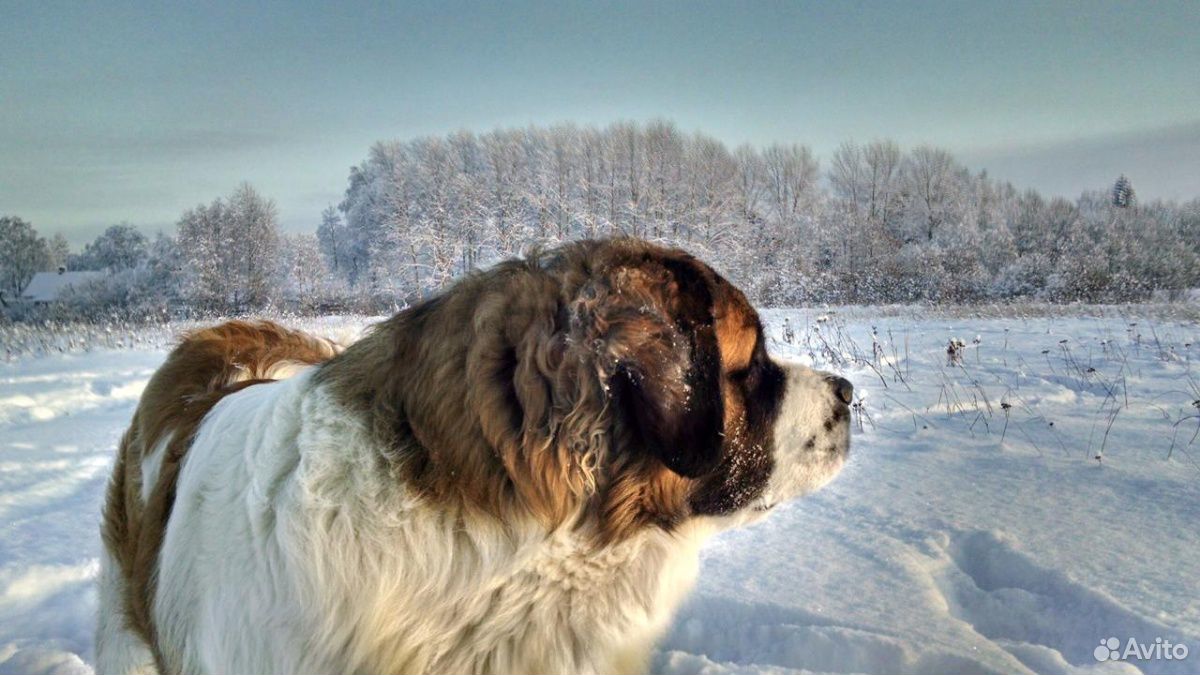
512 477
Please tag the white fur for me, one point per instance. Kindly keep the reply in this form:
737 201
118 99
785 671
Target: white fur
290 549
279 370
152 465
808 402
118 650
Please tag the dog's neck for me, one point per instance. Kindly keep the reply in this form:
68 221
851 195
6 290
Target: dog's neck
509 581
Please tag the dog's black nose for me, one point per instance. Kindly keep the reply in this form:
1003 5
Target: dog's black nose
843 388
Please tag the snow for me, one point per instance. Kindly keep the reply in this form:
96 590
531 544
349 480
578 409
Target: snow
973 531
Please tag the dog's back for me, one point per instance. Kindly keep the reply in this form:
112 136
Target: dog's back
207 366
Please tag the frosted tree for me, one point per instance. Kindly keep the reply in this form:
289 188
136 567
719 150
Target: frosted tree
540 187
230 252
629 170
474 187
361 218
375 205
848 176
710 216
558 180
119 247
666 189
848 242
58 252
307 282
791 174
255 229
930 176
1122 193
865 182
164 268
393 248
890 227
592 184
22 254
751 186
1184 231
439 220
333 242
882 160
504 204
204 243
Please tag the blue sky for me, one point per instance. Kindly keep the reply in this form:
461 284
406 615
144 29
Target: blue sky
113 112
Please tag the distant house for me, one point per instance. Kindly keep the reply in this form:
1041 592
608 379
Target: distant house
48 287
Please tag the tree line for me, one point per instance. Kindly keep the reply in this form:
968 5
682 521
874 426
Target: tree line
874 224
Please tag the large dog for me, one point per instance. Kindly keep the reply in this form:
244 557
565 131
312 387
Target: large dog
513 477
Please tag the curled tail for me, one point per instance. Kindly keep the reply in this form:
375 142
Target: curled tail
211 363
235 351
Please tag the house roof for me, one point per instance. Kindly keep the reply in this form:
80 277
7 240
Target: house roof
47 286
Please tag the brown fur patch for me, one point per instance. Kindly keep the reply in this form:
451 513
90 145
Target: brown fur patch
738 326
205 367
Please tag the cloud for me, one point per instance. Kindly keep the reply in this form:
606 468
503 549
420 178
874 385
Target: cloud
1161 163
140 146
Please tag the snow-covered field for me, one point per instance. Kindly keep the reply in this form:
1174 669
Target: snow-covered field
1004 511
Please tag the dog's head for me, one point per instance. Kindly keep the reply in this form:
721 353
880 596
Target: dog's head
615 383
699 407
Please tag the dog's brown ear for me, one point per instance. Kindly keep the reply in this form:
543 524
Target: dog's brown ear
665 368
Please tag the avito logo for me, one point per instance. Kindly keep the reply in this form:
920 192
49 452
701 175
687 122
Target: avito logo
1159 650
